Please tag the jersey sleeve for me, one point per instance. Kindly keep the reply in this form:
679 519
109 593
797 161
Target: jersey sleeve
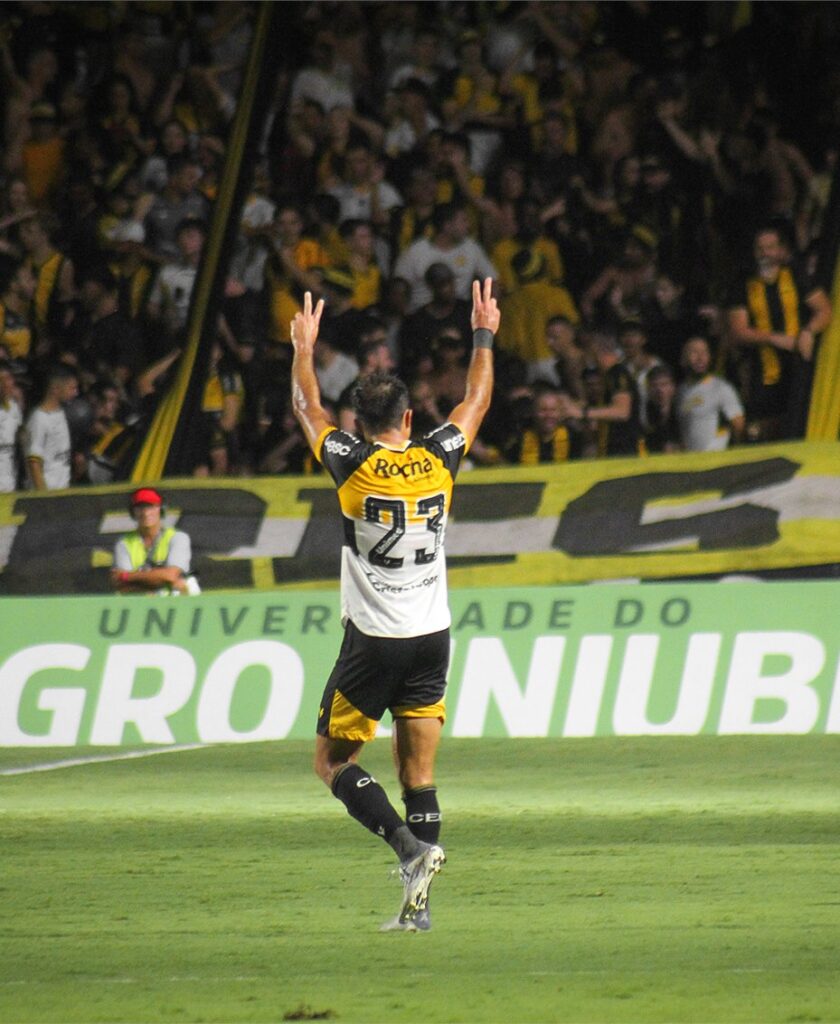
340 453
449 443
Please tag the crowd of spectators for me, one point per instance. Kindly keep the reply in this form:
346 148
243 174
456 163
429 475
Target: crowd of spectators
646 183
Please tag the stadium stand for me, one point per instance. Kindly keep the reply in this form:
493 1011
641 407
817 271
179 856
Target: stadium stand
622 156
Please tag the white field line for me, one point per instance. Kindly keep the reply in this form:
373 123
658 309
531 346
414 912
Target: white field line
191 979
74 762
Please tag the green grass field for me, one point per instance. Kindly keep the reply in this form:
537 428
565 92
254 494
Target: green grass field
607 880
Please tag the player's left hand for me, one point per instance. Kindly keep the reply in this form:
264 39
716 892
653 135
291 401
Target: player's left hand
485 311
305 324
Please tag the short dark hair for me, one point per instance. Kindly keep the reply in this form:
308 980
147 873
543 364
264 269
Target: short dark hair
438 273
443 213
101 274
379 401
631 326
347 227
190 223
661 370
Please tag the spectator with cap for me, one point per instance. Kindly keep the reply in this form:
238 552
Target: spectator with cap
153 558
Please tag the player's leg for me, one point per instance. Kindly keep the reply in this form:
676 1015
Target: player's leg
417 732
336 763
351 707
415 749
415 743
418 721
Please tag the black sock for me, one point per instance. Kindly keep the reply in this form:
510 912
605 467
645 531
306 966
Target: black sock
366 801
422 813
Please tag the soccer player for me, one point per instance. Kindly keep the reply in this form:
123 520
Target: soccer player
394 495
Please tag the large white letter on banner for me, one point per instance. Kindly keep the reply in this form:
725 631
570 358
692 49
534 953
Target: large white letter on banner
746 685
66 703
833 722
488 672
117 707
285 670
636 680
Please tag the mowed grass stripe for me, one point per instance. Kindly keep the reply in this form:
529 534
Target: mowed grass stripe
616 880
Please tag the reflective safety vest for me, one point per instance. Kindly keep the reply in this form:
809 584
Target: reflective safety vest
148 558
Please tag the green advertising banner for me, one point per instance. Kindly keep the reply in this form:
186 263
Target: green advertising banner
602 660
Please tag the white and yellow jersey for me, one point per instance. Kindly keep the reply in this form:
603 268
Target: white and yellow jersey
395 503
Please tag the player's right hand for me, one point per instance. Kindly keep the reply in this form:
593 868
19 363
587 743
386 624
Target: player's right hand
305 325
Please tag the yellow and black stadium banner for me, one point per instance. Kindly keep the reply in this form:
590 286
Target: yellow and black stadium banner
769 511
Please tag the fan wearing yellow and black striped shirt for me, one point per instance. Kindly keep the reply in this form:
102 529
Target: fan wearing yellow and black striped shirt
394 494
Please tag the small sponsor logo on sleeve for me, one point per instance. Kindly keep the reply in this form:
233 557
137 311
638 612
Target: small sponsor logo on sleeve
452 444
337 447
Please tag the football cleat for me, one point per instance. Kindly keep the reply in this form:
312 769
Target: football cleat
421 922
417 875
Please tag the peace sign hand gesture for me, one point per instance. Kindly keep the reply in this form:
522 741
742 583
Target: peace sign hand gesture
305 325
485 312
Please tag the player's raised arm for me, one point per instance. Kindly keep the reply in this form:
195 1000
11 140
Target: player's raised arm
485 323
306 394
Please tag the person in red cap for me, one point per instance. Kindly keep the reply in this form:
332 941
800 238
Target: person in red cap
153 558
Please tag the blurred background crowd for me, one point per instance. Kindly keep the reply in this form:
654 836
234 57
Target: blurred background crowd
646 182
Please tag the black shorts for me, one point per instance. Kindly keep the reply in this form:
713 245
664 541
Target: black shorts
375 674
